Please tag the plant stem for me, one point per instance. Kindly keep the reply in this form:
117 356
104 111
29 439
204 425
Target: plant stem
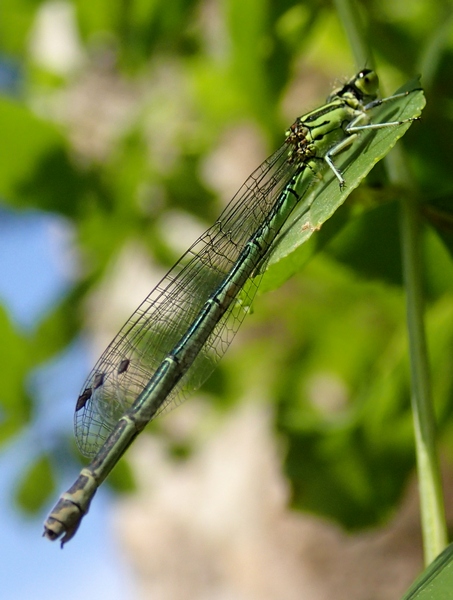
349 13
430 486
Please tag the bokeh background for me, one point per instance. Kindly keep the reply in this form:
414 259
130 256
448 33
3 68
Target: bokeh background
125 128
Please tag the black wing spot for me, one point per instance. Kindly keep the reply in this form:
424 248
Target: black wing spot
98 380
124 365
83 398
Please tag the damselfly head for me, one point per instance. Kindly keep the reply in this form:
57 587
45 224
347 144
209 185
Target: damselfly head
366 82
364 86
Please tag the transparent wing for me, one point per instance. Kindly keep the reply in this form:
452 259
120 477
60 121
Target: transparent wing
158 324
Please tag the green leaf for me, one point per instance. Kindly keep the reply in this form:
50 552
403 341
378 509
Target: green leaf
35 170
343 395
16 19
36 486
436 582
247 25
291 250
122 477
139 27
27 138
57 329
371 244
16 360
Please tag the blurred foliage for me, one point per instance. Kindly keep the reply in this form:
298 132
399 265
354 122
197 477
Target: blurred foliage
34 485
125 115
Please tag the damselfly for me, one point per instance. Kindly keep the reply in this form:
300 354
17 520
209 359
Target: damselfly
172 342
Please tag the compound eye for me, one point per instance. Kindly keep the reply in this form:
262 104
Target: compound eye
367 82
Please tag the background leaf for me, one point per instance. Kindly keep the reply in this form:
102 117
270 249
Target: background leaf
36 486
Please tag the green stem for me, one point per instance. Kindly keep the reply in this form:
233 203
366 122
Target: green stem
430 485
430 488
349 13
